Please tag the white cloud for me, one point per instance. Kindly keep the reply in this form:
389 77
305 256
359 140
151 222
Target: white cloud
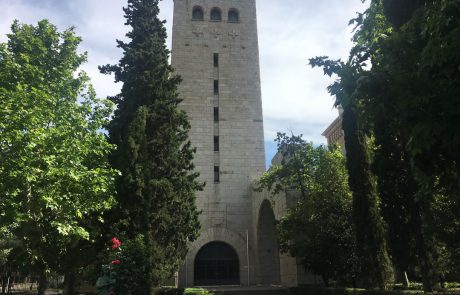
294 94
290 32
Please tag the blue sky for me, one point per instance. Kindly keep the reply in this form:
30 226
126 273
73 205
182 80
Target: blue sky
290 32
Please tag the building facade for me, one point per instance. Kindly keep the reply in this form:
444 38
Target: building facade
215 51
334 133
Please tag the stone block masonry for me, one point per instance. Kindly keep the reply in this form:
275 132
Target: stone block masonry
215 51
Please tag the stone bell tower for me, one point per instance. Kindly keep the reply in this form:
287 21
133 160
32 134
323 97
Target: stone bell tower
215 51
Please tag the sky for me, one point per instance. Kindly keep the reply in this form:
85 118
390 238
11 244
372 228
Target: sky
294 95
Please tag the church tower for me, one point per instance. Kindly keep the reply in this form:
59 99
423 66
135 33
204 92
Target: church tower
215 51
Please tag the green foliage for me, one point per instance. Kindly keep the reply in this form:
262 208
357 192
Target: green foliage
197 291
7 244
319 229
349 291
408 100
157 185
296 169
186 291
370 233
417 60
131 274
54 175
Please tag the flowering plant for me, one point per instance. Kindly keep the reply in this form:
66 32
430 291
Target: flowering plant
127 269
115 243
105 283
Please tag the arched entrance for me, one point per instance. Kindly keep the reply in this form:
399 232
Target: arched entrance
268 252
216 264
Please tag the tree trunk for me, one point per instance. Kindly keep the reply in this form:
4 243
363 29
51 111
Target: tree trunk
6 283
426 249
42 283
9 283
372 249
325 280
149 242
406 280
69 283
4 280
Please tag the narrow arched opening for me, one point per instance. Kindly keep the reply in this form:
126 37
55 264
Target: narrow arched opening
197 13
233 16
216 263
268 252
216 14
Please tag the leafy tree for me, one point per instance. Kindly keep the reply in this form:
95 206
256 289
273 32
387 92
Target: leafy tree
157 185
409 101
414 55
319 229
425 73
54 172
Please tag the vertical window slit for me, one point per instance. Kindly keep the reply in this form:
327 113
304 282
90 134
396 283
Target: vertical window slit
216 86
216 174
216 143
216 59
216 114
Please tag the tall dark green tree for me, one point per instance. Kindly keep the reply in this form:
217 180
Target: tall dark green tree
411 98
397 185
376 270
157 185
427 104
397 189
408 99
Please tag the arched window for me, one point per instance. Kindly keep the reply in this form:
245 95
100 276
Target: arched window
233 16
197 13
216 15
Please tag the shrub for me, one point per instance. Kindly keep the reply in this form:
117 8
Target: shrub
181 291
349 291
126 270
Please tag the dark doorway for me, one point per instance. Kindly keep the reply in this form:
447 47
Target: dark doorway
217 264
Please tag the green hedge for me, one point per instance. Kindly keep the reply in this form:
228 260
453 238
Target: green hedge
453 285
313 290
350 291
181 291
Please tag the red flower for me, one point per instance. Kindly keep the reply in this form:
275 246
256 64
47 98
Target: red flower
111 293
116 262
115 243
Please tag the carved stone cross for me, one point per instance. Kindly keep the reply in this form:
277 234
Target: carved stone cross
233 34
197 32
216 33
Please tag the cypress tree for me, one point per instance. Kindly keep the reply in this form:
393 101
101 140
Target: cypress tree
372 248
376 271
397 189
157 185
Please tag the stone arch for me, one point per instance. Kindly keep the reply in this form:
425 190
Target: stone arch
267 246
215 234
216 264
